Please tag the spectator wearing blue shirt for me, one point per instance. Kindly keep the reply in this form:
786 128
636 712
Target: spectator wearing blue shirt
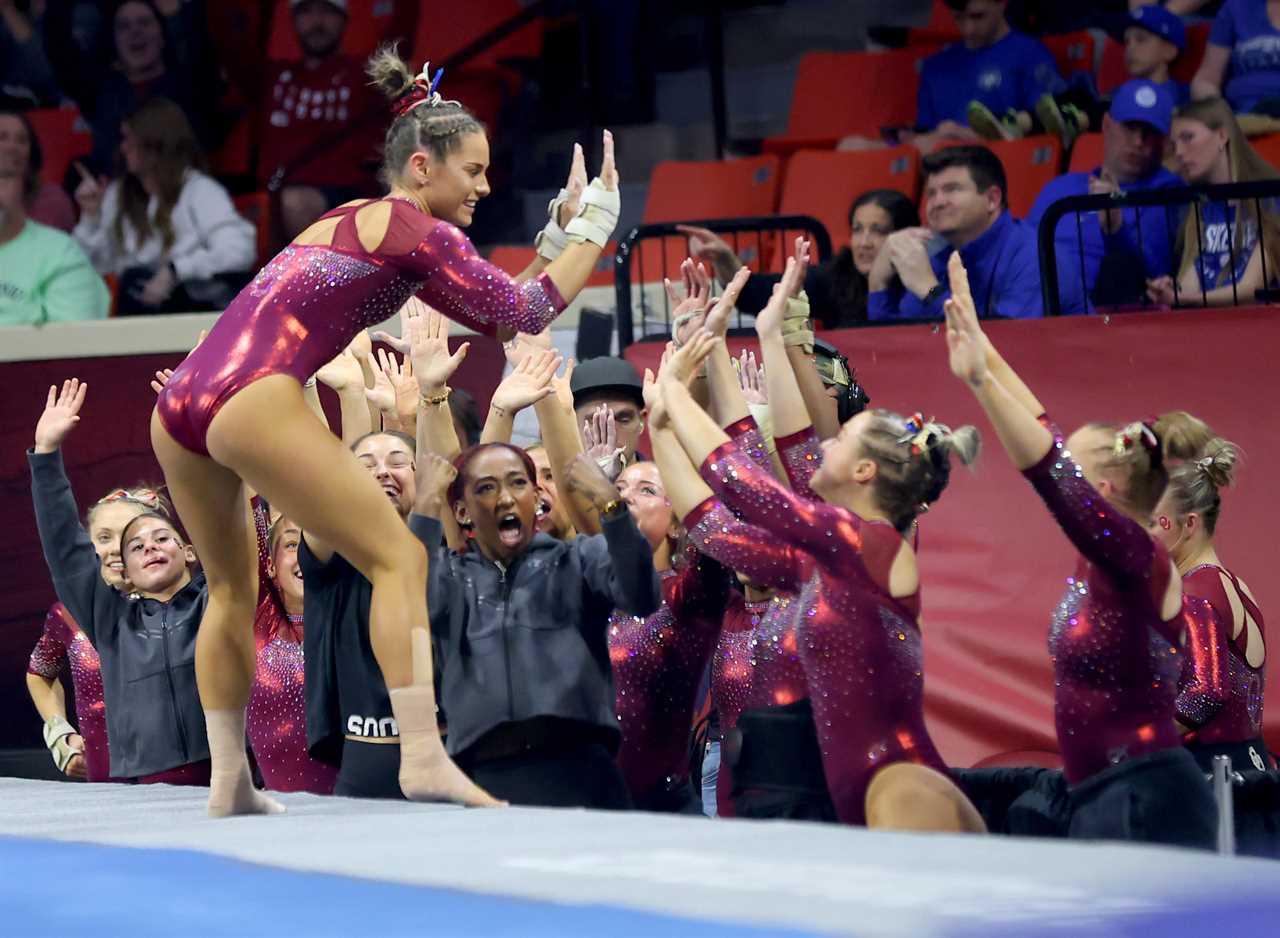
1242 60
1152 37
1108 259
966 206
1221 261
1002 69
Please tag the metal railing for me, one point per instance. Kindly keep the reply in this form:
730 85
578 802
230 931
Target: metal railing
770 241
1162 200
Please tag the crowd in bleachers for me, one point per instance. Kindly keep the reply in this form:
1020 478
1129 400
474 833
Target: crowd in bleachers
131 123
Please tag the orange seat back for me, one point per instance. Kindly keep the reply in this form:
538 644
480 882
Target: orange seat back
64 137
1029 165
824 183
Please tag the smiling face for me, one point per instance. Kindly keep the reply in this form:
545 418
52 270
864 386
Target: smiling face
139 38
106 523
499 502
458 182
390 460
640 486
956 209
155 559
15 146
550 515
284 570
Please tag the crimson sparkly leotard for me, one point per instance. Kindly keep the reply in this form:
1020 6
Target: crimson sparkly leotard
62 638
1115 663
310 301
658 663
275 718
1219 694
860 647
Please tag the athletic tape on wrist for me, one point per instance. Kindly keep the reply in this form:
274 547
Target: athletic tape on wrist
57 735
597 215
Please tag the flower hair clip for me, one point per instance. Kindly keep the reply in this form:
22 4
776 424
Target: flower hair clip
423 91
920 432
1135 433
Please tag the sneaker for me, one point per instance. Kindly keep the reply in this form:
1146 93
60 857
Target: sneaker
986 125
1067 122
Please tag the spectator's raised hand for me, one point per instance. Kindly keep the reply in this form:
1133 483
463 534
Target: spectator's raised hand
522 344
706 246
428 337
529 383
60 416
383 393
433 477
402 381
90 192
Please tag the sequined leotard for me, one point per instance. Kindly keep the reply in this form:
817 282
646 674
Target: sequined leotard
63 638
1115 663
658 662
275 718
1219 695
860 647
308 303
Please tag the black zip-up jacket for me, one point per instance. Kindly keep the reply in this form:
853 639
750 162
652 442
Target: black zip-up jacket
532 640
148 648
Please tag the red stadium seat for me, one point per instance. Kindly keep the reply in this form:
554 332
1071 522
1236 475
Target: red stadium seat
1112 73
64 136
840 93
256 209
513 258
942 28
680 191
1086 153
443 30
368 23
1268 148
824 183
1072 51
1029 164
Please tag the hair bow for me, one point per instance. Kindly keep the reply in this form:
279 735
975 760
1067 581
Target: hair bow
920 432
1134 433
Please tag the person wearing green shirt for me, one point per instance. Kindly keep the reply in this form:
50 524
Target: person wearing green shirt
44 274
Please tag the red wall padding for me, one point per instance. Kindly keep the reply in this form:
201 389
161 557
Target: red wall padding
993 562
110 448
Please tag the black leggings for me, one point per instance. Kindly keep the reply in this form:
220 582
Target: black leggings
584 776
777 765
369 770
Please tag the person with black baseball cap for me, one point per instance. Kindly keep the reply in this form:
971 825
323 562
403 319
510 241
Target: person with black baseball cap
608 401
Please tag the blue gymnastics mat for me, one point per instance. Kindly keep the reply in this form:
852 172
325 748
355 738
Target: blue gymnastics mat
135 861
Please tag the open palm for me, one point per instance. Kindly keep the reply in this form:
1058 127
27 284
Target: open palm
61 414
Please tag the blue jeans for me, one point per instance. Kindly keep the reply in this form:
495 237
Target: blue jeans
710 774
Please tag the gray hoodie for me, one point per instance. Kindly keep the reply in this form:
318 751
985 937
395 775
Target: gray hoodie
147 647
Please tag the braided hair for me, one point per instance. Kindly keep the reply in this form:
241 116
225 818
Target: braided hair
423 121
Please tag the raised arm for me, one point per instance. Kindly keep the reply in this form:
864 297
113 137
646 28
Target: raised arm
559 429
72 561
1209 77
619 566
433 366
344 376
528 383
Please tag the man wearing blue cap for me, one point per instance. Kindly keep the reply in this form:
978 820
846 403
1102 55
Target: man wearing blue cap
1104 263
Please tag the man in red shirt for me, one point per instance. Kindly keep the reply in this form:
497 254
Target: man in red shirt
321 121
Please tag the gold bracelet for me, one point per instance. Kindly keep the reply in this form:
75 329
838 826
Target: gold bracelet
435 400
611 507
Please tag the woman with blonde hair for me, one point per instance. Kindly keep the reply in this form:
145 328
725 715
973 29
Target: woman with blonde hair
164 227
1221 264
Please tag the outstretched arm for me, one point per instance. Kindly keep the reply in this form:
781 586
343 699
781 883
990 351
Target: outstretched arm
527 384
559 429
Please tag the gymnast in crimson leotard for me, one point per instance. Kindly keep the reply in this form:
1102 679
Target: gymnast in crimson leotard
858 636
234 412
1220 691
1116 636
